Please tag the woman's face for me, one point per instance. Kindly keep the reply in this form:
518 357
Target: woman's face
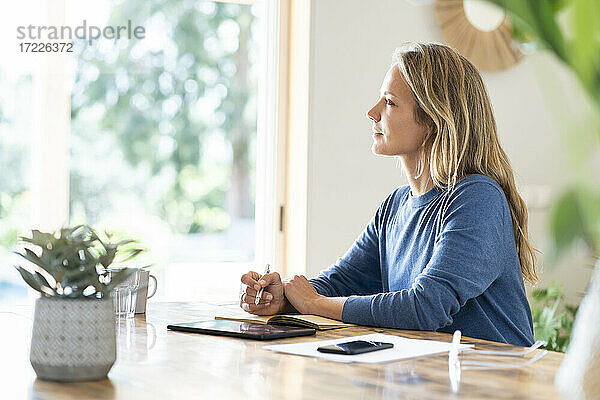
395 130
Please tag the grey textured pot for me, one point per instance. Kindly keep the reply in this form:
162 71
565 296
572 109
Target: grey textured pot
73 339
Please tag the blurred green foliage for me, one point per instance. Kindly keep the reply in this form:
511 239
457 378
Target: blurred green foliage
549 325
575 216
570 29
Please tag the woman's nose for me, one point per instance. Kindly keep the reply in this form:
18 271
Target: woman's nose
373 114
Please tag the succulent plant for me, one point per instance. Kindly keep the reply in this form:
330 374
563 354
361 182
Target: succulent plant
74 262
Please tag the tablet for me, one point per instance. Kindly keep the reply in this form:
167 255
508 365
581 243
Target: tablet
244 330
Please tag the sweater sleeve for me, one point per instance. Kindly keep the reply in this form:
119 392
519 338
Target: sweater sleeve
358 272
467 258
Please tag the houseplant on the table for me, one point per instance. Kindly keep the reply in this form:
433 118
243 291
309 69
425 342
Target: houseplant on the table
73 336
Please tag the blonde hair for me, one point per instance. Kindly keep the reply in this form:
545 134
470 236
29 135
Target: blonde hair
452 100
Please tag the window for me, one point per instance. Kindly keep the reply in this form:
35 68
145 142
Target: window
162 136
16 136
15 125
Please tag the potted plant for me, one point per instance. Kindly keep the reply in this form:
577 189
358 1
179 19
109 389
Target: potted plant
73 336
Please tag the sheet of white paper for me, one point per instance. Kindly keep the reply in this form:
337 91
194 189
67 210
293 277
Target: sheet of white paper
403 348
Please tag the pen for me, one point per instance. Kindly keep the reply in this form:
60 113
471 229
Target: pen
454 363
455 343
260 292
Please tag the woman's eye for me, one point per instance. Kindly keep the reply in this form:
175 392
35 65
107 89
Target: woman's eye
389 102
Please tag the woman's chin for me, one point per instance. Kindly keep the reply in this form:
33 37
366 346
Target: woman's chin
375 149
379 150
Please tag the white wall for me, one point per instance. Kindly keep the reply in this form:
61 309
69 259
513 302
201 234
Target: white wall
351 46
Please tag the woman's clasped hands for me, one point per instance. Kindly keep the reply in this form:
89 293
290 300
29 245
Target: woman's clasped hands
293 294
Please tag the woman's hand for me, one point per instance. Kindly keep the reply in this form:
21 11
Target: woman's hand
302 294
272 301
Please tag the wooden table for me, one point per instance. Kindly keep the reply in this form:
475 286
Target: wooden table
154 363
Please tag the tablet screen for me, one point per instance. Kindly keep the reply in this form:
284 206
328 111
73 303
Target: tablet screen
235 326
242 329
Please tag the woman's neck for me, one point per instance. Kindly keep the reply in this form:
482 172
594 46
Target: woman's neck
418 176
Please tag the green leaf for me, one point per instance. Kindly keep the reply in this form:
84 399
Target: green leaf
536 20
583 51
32 257
37 282
107 258
75 233
133 254
40 239
575 216
572 310
559 5
40 278
29 279
540 294
554 291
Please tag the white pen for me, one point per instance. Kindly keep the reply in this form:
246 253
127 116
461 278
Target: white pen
260 292
455 343
454 363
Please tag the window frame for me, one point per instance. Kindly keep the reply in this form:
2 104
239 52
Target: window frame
271 138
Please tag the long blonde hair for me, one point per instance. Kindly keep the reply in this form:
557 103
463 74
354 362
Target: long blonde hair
453 102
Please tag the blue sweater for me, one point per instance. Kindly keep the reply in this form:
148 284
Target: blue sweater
410 270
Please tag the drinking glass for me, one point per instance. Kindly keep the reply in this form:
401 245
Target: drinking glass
125 294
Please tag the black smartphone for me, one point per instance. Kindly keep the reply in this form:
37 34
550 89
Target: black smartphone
355 347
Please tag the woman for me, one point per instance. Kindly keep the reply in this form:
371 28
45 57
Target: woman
448 251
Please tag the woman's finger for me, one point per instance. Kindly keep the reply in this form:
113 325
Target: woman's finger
270 279
250 291
250 278
251 307
251 297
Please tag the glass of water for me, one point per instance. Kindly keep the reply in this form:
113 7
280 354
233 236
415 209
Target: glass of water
125 294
